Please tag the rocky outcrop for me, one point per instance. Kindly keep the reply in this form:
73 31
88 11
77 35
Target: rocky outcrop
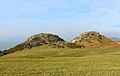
50 40
85 40
38 40
43 38
92 39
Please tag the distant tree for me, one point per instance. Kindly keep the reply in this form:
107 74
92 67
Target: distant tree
73 45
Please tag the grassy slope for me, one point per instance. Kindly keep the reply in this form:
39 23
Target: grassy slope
61 62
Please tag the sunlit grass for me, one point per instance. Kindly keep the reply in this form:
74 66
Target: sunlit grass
61 62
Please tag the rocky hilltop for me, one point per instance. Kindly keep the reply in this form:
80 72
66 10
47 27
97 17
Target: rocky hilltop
92 39
43 38
85 40
38 40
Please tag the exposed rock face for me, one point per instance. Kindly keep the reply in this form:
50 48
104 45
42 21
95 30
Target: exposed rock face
43 38
38 40
92 39
87 39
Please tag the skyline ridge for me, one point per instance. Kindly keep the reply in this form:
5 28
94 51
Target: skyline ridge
23 18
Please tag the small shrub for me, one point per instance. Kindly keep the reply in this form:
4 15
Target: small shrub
73 45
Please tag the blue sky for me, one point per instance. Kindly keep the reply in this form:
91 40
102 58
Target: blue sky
20 19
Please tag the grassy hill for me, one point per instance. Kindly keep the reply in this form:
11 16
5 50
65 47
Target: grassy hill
37 40
42 61
90 54
90 39
41 39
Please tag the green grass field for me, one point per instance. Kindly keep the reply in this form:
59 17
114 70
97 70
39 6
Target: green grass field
61 62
